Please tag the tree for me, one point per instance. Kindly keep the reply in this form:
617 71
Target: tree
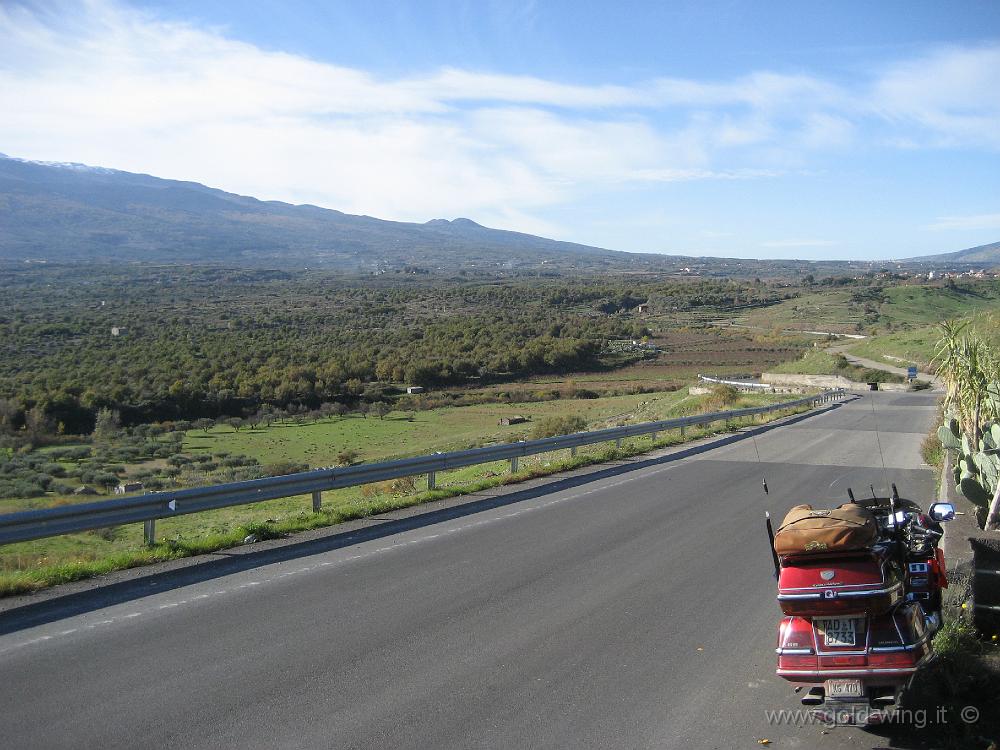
8 411
380 409
235 423
106 425
37 423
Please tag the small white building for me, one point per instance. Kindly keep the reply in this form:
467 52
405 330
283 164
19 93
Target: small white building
412 389
118 330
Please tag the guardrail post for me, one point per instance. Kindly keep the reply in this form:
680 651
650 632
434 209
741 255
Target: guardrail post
432 480
572 452
654 437
513 464
317 501
618 443
149 531
682 432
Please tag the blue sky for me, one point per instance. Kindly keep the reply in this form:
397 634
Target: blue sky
806 129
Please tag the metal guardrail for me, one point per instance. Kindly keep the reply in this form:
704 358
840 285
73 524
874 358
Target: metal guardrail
67 519
735 383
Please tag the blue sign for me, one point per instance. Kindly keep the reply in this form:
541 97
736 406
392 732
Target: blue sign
911 372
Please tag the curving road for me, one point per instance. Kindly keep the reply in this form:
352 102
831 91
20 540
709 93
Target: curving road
624 607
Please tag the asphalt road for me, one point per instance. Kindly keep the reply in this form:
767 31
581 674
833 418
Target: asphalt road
627 608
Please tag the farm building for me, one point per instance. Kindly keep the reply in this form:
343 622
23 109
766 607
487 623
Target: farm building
414 389
516 419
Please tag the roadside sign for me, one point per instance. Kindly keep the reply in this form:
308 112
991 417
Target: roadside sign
911 372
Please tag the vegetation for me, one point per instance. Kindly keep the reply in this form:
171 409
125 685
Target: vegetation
203 342
818 362
879 306
969 365
31 565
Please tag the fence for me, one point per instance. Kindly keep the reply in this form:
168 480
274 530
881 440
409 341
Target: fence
37 524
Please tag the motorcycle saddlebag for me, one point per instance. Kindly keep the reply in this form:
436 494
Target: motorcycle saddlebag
806 530
836 585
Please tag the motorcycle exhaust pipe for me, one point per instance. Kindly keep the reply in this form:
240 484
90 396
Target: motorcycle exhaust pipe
885 698
814 697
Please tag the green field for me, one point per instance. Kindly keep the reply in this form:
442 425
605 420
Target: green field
413 433
878 309
819 362
30 565
916 346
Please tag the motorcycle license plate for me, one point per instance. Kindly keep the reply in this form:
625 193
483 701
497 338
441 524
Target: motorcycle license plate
839 631
843 689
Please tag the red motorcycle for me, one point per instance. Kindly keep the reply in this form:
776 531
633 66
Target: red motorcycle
860 588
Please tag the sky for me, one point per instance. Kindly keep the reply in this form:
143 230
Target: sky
775 129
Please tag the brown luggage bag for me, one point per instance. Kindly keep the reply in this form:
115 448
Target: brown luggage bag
806 530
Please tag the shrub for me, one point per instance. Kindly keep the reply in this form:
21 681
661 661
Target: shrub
56 470
721 397
931 450
280 468
550 426
403 485
371 491
347 457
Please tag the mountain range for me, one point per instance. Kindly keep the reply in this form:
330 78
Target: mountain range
982 254
57 211
66 211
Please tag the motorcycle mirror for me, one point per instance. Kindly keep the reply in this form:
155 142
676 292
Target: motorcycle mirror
941 511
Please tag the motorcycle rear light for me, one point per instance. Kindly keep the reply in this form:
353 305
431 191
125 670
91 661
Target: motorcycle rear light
894 660
795 633
842 661
796 662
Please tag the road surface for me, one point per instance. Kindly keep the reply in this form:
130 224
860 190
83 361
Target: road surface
625 608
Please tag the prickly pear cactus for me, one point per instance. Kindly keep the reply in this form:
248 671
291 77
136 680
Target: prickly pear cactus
950 435
976 472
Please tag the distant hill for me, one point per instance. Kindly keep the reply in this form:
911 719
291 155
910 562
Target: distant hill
988 255
64 211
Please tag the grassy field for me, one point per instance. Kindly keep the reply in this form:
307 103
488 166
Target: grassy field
819 362
916 346
895 306
900 349
31 565
447 428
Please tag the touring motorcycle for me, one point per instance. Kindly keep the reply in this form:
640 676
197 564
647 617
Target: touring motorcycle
860 588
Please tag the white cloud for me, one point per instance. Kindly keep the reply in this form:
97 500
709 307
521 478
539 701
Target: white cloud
106 84
961 223
952 94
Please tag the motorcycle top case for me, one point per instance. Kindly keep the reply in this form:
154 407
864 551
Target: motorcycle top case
807 530
860 582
